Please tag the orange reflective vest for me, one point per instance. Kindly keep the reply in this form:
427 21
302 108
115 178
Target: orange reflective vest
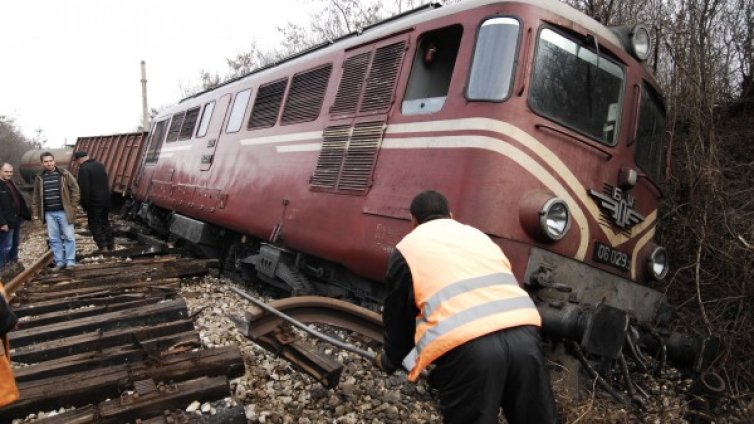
463 287
8 390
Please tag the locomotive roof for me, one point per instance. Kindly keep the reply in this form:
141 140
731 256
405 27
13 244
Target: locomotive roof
413 17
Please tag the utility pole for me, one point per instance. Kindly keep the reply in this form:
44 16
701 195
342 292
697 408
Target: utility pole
145 111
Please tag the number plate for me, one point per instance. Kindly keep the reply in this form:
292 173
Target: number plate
607 255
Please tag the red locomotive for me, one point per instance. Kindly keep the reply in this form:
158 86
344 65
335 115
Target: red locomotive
542 127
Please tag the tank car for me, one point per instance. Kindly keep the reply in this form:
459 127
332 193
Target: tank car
31 165
543 127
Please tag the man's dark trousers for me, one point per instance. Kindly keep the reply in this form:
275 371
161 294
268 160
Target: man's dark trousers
99 225
500 369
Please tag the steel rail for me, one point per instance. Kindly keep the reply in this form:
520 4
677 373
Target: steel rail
321 310
18 281
329 339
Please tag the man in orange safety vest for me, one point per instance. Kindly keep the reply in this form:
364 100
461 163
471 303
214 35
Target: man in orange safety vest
454 302
8 320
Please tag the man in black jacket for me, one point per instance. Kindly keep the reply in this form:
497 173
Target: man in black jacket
95 199
13 209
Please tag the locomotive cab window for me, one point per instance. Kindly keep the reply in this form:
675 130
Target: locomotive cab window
492 70
175 126
155 142
432 70
206 116
239 108
650 133
189 122
577 87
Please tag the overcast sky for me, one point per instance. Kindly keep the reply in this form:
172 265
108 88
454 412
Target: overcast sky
72 67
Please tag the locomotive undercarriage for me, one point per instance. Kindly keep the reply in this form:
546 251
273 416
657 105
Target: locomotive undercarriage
601 320
248 259
299 274
593 320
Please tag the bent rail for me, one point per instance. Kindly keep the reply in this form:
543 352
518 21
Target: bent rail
265 328
317 309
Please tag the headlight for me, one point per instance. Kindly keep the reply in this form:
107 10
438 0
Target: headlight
658 263
554 218
640 42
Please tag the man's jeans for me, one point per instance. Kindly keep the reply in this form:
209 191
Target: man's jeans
13 255
62 241
6 243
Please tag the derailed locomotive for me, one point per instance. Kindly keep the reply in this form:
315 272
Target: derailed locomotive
542 127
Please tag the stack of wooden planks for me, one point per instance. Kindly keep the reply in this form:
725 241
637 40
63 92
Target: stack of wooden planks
115 341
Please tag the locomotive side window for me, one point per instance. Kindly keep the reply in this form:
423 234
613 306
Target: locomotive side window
431 71
155 142
574 86
189 122
491 75
239 108
175 126
650 144
206 116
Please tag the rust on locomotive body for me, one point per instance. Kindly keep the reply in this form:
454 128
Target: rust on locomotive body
302 172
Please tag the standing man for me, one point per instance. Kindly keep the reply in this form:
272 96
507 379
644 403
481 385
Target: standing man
95 199
455 302
56 196
12 210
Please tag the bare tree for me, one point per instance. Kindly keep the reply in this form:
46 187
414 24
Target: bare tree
333 19
12 143
703 59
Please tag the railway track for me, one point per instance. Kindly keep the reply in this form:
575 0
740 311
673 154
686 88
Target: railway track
147 334
111 341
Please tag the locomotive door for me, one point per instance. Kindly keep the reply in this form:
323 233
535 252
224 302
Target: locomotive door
352 140
213 133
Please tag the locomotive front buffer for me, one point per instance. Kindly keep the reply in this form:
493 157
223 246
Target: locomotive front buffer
600 318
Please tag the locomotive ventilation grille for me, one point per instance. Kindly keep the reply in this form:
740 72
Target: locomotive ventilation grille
346 160
381 81
351 83
267 105
349 152
375 90
306 95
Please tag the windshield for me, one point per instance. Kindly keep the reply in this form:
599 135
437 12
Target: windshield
574 86
650 135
